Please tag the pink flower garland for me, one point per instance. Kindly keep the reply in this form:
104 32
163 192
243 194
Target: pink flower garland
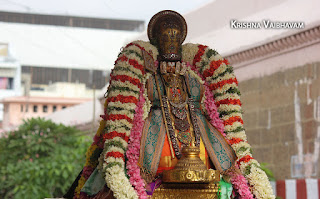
238 181
241 185
134 149
212 111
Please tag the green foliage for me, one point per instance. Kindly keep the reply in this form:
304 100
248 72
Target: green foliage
40 159
269 173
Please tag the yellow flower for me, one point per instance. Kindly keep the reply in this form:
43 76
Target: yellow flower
90 151
101 127
81 182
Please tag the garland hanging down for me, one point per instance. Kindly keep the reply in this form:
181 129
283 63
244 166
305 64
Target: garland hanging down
127 106
219 76
238 181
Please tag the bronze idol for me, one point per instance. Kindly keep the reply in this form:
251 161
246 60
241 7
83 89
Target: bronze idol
155 129
190 178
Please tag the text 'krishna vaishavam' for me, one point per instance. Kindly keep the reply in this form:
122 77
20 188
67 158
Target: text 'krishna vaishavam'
266 24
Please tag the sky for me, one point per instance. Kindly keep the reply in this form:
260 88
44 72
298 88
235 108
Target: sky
118 9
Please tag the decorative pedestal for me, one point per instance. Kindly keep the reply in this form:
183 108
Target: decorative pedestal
190 179
187 191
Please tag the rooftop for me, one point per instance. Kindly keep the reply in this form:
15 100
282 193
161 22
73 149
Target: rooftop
64 47
72 21
78 114
45 100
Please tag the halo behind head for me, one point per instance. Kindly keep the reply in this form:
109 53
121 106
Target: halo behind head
170 16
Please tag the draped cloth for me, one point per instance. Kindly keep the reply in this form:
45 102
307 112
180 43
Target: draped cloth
153 137
154 132
154 152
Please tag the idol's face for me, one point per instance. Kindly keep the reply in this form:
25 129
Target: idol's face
169 42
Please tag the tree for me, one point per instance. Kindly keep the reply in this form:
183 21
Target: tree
40 159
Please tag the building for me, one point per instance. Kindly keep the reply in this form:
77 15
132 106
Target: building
49 49
50 53
65 90
60 48
40 103
278 71
17 109
85 116
72 21
10 76
81 116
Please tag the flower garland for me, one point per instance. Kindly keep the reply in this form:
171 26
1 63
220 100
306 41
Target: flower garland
134 149
223 84
212 112
209 103
122 120
238 181
125 98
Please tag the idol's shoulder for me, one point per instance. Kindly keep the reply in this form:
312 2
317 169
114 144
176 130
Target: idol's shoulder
138 46
199 53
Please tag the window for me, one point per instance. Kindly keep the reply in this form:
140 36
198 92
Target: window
35 108
64 107
6 108
54 108
27 108
44 108
6 83
21 108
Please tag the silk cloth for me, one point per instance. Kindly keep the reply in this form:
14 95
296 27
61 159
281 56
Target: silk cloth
154 152
154 132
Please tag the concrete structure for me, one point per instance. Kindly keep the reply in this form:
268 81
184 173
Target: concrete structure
50 54
81 116
72 21
40 103
280 84
278 73
10 76
65 90
81 52
281 101
63 48
17 109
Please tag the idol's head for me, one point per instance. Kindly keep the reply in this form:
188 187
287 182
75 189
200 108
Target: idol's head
167 30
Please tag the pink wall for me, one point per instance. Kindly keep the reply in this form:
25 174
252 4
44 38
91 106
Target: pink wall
14 115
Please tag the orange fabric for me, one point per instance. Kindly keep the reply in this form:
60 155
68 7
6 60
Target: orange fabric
167 163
